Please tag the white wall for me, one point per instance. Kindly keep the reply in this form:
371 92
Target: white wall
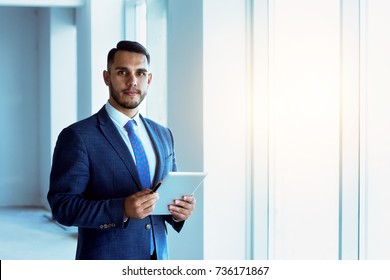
375 138
304 122
58 84
19 160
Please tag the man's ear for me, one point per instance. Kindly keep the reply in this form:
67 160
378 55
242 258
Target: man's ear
106 77
150 76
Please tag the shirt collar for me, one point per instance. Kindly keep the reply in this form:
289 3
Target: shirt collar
118 117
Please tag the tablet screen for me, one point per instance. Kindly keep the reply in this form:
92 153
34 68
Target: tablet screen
174 186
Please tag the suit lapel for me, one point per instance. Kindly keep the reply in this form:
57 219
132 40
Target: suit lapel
111 133
156 142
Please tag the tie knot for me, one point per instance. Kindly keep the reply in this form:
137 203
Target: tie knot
129 126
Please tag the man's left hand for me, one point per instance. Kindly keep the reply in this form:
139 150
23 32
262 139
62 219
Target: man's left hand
181 209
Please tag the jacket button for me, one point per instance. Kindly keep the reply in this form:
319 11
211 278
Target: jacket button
147 226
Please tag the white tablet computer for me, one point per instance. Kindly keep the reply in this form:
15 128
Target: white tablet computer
174 186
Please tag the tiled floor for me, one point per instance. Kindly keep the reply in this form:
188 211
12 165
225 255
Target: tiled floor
30 234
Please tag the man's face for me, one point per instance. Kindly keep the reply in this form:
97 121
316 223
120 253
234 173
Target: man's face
128 80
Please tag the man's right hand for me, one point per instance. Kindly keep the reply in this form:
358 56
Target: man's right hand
140 204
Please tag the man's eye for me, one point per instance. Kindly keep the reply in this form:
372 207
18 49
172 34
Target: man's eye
142 73
122 73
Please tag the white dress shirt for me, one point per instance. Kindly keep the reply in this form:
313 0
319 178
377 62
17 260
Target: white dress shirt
120 120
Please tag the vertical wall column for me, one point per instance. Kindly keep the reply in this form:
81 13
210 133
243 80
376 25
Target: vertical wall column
375 139
349 131
19 129
185 112
58 99
99 28
225 77
260 114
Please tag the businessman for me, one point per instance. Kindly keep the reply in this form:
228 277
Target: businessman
104 166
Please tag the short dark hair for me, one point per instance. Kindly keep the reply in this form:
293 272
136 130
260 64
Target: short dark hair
130 46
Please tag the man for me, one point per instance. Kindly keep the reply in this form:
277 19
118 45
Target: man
100 179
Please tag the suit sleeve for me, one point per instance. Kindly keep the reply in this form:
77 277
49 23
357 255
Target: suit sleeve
69 179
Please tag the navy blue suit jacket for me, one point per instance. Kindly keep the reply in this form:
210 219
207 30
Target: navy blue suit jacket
92 174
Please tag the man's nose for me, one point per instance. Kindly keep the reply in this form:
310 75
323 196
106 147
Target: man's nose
132 80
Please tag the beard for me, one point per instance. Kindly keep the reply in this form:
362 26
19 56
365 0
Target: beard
122 100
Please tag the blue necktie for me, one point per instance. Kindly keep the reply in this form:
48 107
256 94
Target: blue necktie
142 164
140 156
